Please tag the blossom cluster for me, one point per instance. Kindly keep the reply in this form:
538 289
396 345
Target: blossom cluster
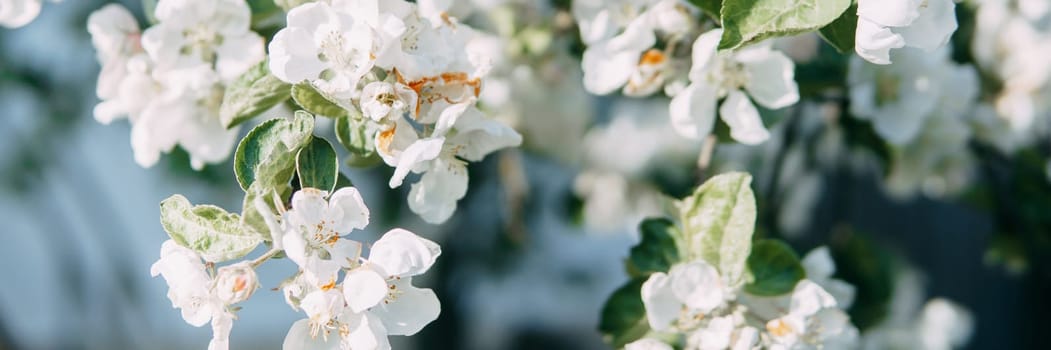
374 299
694 300
414 74
622 53
169 79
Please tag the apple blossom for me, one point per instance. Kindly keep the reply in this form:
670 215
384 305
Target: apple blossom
886 25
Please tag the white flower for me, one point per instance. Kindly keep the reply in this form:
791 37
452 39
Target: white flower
236 283
115 34
896 98
893 24
765 74
944 325
647 344
686 290
325 45
609 64
191 289
381 99
189 33
17 13
313 228
819 269
383 284
813 319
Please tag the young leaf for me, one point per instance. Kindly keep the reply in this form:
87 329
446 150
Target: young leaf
355 134
268 153
775 267
252 93
657 251
749 21
624 315
841 32
209 230
718 222
314 102
318 165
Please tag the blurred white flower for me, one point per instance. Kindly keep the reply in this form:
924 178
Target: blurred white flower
766 74
192 289
215 33
886 25
116 36
17 13
689 289
813 320
647 344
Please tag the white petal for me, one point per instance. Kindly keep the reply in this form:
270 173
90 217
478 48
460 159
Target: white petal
434 197
717 335
298 338
936 23
772 81
344 252
366 333
605 70
892 13
364 288
692 111
239 53
745 124
221 326
308 207
808 298
354 213
697 285
17 13
478 136
873 42
413 309
662 307
403 253
420 151
745 339
818 263
704 50
286 60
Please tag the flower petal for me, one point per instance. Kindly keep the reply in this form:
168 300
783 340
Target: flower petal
934 26
434 197
745 124
873 42
772 80
354 215
692 111
662 307
403 253
298 338
413 309
308 207
364 288
420 151
697 285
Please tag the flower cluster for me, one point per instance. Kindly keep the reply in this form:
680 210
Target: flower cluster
621 54
17 13
374 299
920 106
413 73
694 300
169 79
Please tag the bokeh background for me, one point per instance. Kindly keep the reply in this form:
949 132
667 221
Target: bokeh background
520 269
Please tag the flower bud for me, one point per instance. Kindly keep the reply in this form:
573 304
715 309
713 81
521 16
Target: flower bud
236 283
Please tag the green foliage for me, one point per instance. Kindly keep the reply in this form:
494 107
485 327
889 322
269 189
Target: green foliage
353 133
750 21
657 250
624 315
318 166
775 268
718 222
314 102
870 269
209 230
252 93
290 4
841 32
711 7
268 153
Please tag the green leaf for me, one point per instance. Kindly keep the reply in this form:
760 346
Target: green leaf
209 230
268 153
290 4
314 102
252 93
149 7
718 222
711 7
318 165
624 315
656 251
841 32
355 134
750 21
775 267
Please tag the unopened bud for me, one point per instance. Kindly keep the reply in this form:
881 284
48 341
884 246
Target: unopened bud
236 283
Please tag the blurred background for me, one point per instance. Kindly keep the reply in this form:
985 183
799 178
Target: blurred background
533 250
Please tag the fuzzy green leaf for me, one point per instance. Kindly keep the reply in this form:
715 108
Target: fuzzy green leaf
624 315
314 102
841 32
318 165
251 94
775 268
657 250
750 21
268 153
718 222
209 230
